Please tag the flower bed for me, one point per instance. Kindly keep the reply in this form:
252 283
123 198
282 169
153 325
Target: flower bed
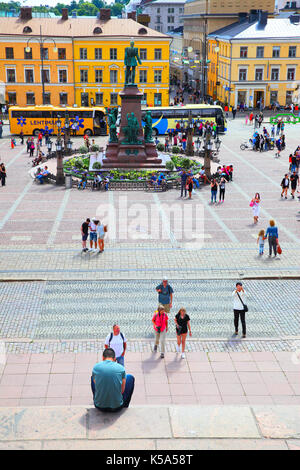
78 165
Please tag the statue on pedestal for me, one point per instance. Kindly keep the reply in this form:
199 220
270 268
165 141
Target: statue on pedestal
112 120
132 58
131 131
148 132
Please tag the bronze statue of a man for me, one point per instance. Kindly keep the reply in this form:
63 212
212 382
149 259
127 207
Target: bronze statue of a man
132 58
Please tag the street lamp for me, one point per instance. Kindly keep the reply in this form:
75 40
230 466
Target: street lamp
41 42
69 146
218 143
189 147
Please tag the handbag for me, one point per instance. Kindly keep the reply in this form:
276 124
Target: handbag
244 305
251 204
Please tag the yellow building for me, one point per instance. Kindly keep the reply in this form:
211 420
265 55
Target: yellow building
83 60
255 63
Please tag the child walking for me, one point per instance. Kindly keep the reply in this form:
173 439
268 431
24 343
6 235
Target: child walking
261 241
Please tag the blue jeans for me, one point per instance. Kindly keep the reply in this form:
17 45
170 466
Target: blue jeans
261 249
213 196
120 360
129 387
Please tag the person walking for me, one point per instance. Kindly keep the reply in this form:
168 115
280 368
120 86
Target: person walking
100 235
112 388
117 341
239 308
93 234
214 189
222 185
294 179
190 185
285 183
160 324
165 295
2 174
182 322
183 180
85 234
272 235
31 148
261 242
255 204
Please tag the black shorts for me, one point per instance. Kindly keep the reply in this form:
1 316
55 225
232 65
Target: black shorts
84 237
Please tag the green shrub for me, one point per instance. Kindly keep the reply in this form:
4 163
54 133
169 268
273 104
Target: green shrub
170 165
95 148
97 166
186 163
175 149
79 164
160 147
83 149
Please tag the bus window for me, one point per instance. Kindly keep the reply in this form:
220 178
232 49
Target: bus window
156 114
60 113
181 113
46 114
208 113
87 114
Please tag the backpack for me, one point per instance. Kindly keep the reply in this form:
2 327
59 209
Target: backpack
111 337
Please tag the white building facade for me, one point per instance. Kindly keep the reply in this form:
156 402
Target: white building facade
166 15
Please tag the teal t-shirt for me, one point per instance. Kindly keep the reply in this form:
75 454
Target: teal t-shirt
108 376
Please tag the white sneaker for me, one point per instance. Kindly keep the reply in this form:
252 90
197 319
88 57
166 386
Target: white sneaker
183 355
177 348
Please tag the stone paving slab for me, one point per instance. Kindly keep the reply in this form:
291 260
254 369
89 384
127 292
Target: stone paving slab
178 428
224 378
279 421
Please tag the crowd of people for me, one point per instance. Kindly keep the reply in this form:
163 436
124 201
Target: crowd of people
111 386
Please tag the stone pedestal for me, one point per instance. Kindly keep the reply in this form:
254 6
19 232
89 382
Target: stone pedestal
122 154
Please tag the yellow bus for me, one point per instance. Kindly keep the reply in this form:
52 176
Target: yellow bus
166 118
35 119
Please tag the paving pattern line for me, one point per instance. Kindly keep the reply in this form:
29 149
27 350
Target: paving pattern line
253 167
11 162
59 218
15 204
218 219
267 214
165 222
112 220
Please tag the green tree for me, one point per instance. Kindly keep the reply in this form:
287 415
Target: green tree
99 4
116 9
87 9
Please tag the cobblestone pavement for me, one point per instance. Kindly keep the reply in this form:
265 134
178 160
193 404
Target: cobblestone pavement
40 225
74 310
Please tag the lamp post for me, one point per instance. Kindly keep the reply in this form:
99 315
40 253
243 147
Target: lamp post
49 146
208 147
189 146
67 130
41 42
60 179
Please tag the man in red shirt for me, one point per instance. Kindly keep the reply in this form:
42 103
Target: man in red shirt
160 324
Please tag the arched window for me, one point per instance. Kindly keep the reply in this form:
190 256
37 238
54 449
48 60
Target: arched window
97 30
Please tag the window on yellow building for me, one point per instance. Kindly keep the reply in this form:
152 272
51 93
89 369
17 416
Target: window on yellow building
29 77
113 54
44 53
47 98
9 52
259 75
157 99
84 76
290 74
61 53
244 51
157 54
63 98
276 51
99 99
45 76
144 99
157 76
30 98
260 50
242 75
292 51
113 76
143 54
274 74
98 76
114 99
12 97
62 76
98 53
27 55
83 53
10 75
143 76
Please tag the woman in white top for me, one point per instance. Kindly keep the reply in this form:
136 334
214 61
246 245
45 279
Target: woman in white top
255 203
100 236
